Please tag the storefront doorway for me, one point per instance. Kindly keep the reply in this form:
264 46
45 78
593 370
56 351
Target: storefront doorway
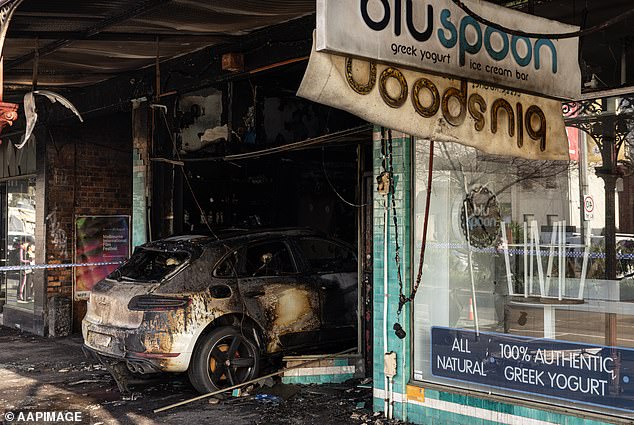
17 242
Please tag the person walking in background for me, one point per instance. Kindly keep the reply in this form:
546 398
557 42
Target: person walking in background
24 260
30 253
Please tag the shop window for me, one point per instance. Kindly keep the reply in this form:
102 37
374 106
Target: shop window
20 241
551 220
514 299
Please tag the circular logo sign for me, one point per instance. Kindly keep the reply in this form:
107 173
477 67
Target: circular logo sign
588 203
482 218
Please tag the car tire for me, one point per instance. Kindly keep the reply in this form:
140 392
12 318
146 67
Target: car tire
214 366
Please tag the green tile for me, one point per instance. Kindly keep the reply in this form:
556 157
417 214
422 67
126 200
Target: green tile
435 394
445 396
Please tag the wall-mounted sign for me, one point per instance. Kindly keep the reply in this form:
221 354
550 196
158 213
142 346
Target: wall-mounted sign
99 239
591 374
588 207
439 37
493 120
480 218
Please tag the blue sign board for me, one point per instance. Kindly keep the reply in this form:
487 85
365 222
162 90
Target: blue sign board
592 374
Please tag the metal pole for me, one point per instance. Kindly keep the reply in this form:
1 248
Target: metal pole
270 375
583 179
473 291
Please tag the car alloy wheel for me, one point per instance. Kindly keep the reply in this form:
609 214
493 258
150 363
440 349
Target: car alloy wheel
225 358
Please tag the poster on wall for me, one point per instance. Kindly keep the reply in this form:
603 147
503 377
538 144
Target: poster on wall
99 239
592 374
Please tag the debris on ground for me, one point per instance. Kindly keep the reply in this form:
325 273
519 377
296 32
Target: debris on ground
268 398
66 380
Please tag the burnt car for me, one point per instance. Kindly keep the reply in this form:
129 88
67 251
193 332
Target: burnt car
215 307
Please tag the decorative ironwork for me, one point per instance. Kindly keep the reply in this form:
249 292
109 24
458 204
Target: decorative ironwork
610 123
8 111
8 114
7 8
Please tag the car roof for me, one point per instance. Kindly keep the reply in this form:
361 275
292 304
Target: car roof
226 237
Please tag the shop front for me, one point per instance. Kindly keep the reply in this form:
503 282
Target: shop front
20 290
501 287
514 320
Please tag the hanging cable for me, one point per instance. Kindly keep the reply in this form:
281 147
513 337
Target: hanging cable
391 194
580 33
402 298
323 166
186 177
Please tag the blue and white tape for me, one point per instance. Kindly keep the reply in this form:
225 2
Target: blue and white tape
57 266
544 252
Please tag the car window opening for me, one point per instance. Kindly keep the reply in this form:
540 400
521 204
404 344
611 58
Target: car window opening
150 266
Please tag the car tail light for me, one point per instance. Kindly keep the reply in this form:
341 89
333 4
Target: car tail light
155 303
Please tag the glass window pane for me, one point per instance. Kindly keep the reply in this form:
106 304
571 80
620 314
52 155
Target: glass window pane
20 219
509 252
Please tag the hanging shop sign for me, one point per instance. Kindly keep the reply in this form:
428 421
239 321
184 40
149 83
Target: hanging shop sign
592 374
480 218
493 120
439 37
99 239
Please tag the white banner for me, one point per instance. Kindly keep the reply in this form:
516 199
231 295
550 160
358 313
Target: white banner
439 37
493 120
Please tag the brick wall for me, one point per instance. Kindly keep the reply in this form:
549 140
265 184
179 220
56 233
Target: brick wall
89 172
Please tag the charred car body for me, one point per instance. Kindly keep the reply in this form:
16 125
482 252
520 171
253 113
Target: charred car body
215 306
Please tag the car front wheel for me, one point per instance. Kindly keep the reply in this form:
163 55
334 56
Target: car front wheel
223 359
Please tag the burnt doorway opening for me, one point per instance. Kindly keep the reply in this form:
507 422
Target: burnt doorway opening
326 189
257 157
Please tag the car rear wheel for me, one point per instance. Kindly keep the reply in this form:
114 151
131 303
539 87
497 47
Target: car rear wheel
225 358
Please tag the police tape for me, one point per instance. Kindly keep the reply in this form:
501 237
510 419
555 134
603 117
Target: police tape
544 251
57 266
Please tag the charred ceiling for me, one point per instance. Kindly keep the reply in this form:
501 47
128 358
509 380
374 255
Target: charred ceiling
81 43
85 42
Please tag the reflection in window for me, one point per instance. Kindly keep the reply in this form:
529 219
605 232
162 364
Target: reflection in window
20 249
540 276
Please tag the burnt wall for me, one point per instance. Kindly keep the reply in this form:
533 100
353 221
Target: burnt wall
89 172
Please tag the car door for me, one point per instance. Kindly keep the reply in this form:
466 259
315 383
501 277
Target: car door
276 295
333 268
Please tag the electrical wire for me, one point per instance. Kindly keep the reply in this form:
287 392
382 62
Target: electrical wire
304 144
573 34
323 165
186 177
430 169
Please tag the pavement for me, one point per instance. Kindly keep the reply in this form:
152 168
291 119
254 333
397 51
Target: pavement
52 375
